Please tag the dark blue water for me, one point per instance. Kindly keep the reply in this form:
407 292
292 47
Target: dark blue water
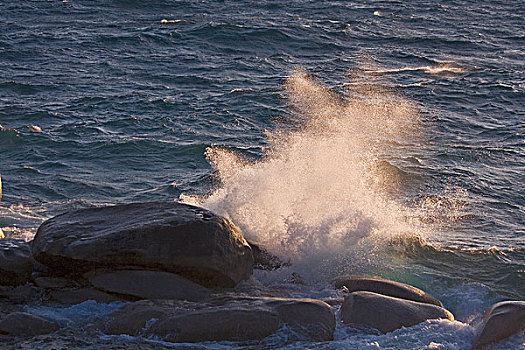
105 102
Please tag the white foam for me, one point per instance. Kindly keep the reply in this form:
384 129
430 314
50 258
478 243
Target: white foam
316 190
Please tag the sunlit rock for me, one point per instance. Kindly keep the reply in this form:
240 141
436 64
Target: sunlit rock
500 321
387 313
166 236
384 287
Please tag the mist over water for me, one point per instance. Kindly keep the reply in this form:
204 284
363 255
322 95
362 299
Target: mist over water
320 188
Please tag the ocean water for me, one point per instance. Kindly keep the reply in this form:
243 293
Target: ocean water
371 137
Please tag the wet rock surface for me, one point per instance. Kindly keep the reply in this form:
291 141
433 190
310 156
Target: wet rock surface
264 260
387 313
24 324
148 285
384 287
165 236
222 318
15 262
500 321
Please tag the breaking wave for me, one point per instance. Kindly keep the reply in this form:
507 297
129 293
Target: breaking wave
320 186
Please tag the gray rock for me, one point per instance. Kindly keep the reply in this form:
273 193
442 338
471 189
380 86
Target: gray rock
166 236
385 287
148 285
387 313
314 319
500 321
217 324
23 294
24 324
264 260
133 318
15 262
54 282
222 318
74 296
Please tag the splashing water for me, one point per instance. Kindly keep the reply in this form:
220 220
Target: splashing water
315 191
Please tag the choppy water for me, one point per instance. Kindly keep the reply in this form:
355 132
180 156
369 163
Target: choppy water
352 137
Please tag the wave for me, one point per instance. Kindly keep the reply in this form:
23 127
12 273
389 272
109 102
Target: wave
497 268
444 68
319 188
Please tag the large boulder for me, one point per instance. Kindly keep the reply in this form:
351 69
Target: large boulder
24 324
387 313
222 318
15 262
148 285
385 287
500 321
167 236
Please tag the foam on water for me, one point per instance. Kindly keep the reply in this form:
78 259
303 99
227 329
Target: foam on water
318 189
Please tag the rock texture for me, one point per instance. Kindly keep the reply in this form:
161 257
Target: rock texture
385 287
148 285
166 236
24 324
15 262
387 313
264 260
222 318
78 295
500 321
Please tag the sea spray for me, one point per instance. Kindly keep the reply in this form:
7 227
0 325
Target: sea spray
316 192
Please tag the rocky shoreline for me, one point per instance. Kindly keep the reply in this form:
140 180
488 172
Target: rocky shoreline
183 275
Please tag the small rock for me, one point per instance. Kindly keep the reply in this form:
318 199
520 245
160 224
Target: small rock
387 313
148 285
166 236
132 319
15 262
500 321
313 319
24 324
264 260
385 287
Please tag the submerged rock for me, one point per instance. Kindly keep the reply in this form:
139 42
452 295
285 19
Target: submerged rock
500 321
148 285
387 313
24 324
15 262
226 318
385 287
167 236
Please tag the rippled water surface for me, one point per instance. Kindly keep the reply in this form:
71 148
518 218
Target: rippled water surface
323 128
